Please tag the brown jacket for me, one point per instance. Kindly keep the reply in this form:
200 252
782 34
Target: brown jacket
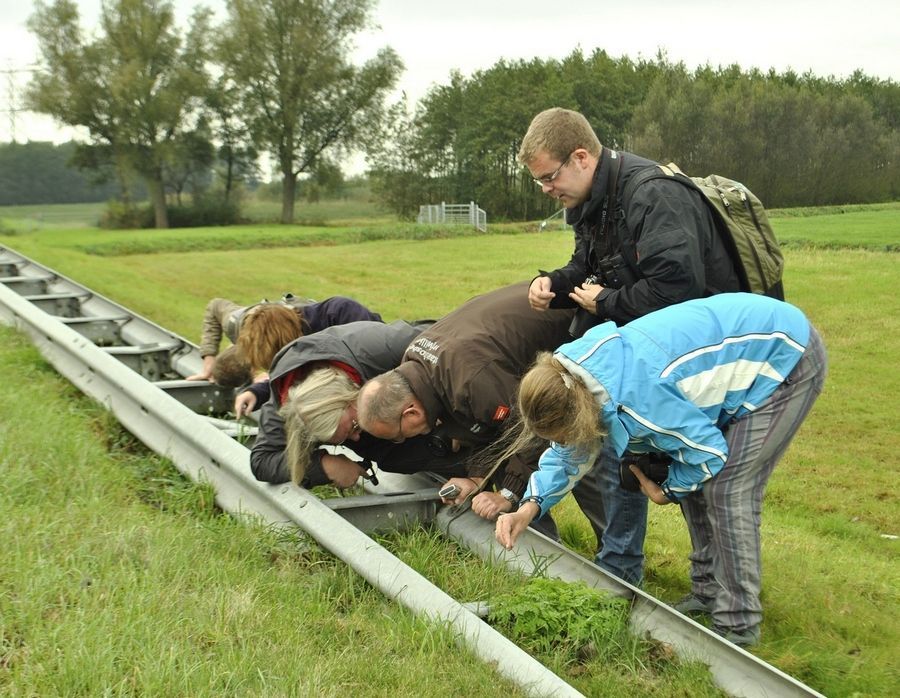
466 368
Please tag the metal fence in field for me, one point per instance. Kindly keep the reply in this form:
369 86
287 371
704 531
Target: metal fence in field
454 214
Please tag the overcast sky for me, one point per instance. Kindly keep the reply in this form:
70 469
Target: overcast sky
827 37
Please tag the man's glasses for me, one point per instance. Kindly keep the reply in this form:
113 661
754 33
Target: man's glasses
548 179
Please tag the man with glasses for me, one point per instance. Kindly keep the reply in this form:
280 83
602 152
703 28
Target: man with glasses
659 249
456 385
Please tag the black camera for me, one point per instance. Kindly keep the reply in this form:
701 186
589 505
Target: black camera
654 465
615 272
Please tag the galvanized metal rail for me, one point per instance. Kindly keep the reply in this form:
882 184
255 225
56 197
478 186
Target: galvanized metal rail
137 369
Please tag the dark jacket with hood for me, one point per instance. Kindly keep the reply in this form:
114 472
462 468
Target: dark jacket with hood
665 234
465 369
368 349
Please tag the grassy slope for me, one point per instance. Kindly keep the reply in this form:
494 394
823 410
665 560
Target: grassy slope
830 579
101 591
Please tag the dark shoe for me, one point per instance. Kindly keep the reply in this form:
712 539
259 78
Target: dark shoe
692 605
741 638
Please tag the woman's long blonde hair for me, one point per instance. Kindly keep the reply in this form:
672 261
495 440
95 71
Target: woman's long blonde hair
553 405
312 413
265 329
556 405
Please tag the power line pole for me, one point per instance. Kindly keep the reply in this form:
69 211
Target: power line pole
12 94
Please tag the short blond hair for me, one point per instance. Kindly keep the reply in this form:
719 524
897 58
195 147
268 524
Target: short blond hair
312 414
558 132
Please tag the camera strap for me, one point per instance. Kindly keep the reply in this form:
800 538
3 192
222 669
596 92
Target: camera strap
609 207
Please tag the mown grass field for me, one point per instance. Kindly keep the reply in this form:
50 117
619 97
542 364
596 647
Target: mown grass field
100 590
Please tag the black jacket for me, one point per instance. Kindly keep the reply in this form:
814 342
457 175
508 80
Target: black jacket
370 348
666 236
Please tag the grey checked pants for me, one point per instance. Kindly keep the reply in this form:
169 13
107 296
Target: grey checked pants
723 518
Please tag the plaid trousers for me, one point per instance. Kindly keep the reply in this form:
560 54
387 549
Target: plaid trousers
723 518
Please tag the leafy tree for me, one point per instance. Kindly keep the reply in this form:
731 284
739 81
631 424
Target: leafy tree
328 178
299 91
462 142
794 140
399 178
136 87
237 156
188 163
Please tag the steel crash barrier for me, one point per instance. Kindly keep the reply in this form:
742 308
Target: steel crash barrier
137 369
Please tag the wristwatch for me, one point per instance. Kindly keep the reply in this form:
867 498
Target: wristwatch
509 496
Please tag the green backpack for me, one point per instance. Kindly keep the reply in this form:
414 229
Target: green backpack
742 222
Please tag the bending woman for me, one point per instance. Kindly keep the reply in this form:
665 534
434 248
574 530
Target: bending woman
720 385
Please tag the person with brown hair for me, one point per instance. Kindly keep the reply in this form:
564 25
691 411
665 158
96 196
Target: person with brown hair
264 330
720 386
270 325
231 370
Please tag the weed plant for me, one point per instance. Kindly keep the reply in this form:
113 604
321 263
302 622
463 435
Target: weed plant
547 615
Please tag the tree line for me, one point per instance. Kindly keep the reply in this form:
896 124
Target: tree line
40 173
189 112
793 139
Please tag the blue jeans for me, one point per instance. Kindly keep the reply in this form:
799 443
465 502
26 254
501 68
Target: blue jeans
625 514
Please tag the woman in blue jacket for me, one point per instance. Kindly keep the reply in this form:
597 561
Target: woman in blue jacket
720 385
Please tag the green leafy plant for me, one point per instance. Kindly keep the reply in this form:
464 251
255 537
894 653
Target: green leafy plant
549 615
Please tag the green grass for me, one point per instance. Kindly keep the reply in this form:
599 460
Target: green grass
873 228
336 212
33 217
101 591
830 579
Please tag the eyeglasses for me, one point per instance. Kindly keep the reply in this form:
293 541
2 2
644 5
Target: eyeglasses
548 179
398 438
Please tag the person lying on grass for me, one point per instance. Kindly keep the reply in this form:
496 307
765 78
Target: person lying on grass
259 331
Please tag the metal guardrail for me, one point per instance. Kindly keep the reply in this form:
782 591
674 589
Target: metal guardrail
176 418
203 452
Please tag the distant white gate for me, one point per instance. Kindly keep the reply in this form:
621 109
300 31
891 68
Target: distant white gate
454 214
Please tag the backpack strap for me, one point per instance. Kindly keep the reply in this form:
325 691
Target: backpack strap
670 171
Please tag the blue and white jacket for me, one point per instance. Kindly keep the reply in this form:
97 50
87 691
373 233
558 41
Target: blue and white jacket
671 380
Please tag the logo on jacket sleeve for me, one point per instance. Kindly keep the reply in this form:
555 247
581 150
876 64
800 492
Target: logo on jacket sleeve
501 413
